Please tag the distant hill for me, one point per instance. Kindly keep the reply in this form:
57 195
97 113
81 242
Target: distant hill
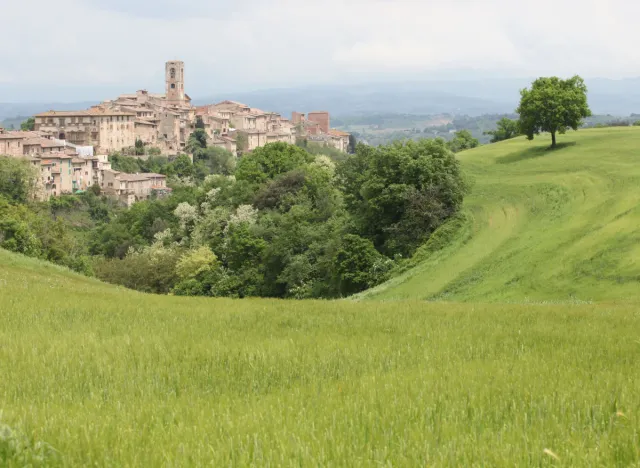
470 97
458 97
15 110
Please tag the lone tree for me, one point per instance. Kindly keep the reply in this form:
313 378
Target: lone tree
553 105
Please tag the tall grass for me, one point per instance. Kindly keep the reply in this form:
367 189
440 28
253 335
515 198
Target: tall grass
109 377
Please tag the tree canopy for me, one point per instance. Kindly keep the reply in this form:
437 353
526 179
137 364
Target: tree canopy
400 193
28 125
553 105
505 130
462 140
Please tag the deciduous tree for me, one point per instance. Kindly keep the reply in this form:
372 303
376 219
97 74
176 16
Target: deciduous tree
553 105
505 130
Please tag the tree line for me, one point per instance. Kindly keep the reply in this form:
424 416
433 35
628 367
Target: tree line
282 222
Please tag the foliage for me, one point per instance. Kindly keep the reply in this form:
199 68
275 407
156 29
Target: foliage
353 142
553 105
269 161
197 140
42 231
242 142
139 148
16 449
17 179
399 194
462 140
505 130
276 227
123 163
359 265
149 269
324 150
216 160
28 125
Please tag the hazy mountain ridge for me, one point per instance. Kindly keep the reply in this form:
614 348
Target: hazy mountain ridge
471 97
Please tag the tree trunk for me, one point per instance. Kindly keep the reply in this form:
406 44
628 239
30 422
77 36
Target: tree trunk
553 139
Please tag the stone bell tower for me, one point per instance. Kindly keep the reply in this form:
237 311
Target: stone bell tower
174 77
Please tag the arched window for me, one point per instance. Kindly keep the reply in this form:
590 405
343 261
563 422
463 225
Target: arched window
173 86
173 73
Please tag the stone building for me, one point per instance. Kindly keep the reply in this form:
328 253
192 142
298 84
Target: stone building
104 129
130 188
316 128
322 119
12 143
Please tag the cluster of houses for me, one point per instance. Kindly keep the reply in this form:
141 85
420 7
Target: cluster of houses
64 168
63 143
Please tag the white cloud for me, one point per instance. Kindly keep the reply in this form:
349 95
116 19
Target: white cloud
264 43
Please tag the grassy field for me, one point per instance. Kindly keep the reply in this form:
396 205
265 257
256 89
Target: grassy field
109 377
95 375
541 225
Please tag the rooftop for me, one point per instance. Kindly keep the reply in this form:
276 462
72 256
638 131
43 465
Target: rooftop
16 135
44 142
84 113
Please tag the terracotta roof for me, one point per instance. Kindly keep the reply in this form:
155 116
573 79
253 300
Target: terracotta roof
234 103
335 132
145 122
44 142
140 177
78 161
84 113
19 134
58 156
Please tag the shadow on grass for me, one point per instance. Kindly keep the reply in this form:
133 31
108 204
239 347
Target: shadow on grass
531 153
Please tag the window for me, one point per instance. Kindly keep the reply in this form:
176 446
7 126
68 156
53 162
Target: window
173 86
172 73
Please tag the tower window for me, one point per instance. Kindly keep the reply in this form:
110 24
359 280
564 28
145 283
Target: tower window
173 86
173 73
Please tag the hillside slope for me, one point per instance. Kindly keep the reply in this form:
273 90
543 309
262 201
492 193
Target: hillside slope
540 225
96 375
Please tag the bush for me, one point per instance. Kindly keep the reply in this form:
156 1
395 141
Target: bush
359 265
17 179
399 194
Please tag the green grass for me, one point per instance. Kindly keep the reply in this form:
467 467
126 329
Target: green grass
109 377
95 375
542 225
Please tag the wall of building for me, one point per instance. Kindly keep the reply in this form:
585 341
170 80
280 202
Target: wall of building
116 132
148 134
11 146
322 119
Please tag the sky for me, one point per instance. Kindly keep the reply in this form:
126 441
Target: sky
71 50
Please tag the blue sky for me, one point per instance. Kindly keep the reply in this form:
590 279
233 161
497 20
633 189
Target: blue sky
93 49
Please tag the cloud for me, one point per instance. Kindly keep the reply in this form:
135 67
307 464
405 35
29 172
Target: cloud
123 44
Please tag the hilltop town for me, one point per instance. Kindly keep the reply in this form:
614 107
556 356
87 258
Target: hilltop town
70 149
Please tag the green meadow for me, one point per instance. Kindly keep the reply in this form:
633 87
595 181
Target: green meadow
539 225
512 342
